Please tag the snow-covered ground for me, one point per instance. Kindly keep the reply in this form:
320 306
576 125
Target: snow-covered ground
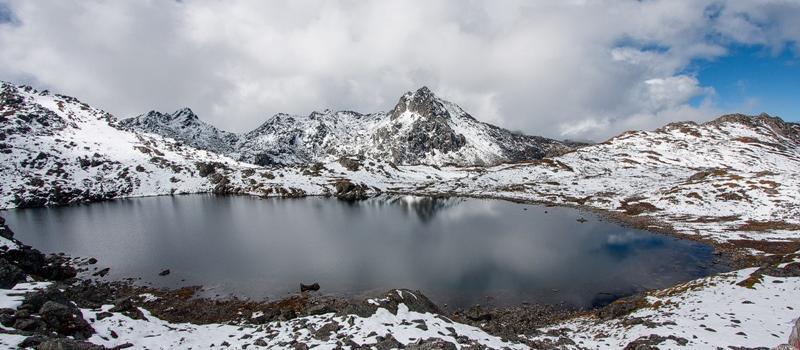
709 313
734 178
321 332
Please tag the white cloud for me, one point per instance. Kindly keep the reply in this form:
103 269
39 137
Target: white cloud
579 69
671 92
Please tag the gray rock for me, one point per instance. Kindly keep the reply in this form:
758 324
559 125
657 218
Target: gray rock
794 338
66 320
414 300
621 307
388 343
126 307
309 287
10 274
68 344
347 190
26 324
432 344
34 301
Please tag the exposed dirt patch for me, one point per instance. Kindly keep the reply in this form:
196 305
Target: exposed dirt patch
769 247
768 226
637 208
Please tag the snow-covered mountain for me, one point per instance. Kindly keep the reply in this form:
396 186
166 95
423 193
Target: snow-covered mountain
420 129
735 177
185 126
57 150
723 179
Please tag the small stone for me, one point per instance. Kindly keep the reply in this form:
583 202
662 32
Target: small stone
309 287
102 273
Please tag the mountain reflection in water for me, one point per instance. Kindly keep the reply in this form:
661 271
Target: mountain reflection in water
457 251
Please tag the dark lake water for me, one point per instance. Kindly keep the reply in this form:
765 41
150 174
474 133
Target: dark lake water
456 251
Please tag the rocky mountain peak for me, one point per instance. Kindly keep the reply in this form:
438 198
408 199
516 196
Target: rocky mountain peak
764 121
185 113
422 102
421 129
184 117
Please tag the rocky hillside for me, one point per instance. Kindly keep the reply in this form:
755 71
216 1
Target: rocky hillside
185 126
420 129
56 150
736 177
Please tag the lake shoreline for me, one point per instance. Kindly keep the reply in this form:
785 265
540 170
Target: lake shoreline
612 249
180 305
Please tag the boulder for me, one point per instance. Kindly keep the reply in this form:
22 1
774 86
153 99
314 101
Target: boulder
33 262
34 301
349 163
309 287
127 308
432 344
10 274
5 231
387 343
349 191
414 300
478 314
65 319
651 341
318 309
102 273
28 259
68 344
27 324
794 338
7 317
621 307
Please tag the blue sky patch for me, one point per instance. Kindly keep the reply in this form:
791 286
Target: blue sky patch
754 79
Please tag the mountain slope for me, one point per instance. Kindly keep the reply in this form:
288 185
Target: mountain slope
185 126
57 150
420 129
734 177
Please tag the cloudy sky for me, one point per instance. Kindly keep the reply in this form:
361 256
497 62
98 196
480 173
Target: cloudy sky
563 69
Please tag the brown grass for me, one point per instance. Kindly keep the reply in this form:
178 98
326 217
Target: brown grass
638 208
770 247
752 225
